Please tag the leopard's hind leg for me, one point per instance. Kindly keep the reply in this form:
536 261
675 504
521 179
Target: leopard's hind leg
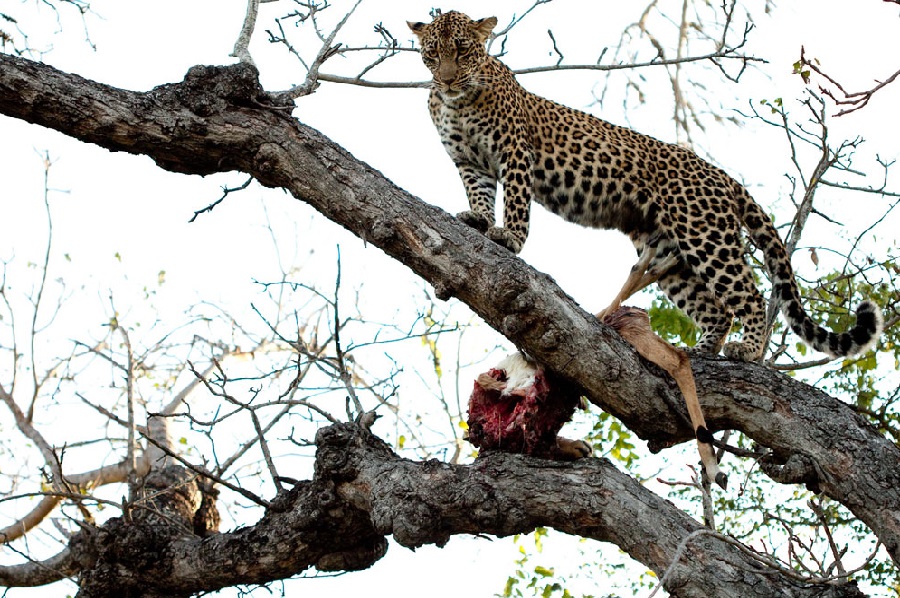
730 279
750 309
689 292
717 281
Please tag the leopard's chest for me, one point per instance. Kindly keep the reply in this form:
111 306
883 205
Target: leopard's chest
469 135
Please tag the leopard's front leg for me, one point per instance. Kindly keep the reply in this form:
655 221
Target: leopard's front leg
481 189
516 174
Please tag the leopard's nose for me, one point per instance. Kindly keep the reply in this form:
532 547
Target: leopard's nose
447 73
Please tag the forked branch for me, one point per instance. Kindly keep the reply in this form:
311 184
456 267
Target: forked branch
851 101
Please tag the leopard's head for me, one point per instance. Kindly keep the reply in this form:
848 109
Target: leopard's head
453 48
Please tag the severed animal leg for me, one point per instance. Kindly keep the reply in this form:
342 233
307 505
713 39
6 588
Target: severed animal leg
634 326
645 272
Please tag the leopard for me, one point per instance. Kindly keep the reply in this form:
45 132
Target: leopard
683 215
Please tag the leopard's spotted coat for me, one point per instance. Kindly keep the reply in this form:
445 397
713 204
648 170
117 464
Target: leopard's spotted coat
685 211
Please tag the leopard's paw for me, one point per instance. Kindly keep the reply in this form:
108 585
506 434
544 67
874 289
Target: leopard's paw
505 238
476 220
741 352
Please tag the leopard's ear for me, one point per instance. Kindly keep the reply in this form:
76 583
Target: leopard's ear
417 28
484 27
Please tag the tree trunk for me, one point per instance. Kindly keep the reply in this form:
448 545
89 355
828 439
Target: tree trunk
219 119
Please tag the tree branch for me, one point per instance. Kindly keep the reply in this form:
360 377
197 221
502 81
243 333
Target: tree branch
363 491
39 573
850 100
223 124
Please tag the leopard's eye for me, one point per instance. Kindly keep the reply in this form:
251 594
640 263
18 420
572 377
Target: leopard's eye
464 47
429 54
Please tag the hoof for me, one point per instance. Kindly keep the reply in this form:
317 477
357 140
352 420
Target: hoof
722 480
572 450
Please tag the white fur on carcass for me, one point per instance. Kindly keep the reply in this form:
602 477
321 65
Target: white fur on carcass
520 373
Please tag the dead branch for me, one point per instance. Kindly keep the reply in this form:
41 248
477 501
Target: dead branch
851 100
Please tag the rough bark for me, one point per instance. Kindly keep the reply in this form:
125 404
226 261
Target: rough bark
219 119
362 491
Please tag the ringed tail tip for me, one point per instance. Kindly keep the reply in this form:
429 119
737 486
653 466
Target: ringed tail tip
869 325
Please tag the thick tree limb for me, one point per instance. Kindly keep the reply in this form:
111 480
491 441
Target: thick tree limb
218 120
34 574
363 491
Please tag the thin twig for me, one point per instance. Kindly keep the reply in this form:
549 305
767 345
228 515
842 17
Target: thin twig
36 387
854 100
556 48
326 51
725 54
816 508
202 472
225 192
764 559
344 373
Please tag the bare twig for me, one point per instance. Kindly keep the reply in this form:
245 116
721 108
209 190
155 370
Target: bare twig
853 100
203 473
763 559
724 54
793 367
556 48
816 507
343 371
36 387
515 21
225 192
77 484
132 424
326 51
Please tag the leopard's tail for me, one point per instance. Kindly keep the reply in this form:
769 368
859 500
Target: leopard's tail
869 321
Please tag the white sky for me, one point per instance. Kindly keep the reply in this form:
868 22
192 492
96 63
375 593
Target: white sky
116 203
